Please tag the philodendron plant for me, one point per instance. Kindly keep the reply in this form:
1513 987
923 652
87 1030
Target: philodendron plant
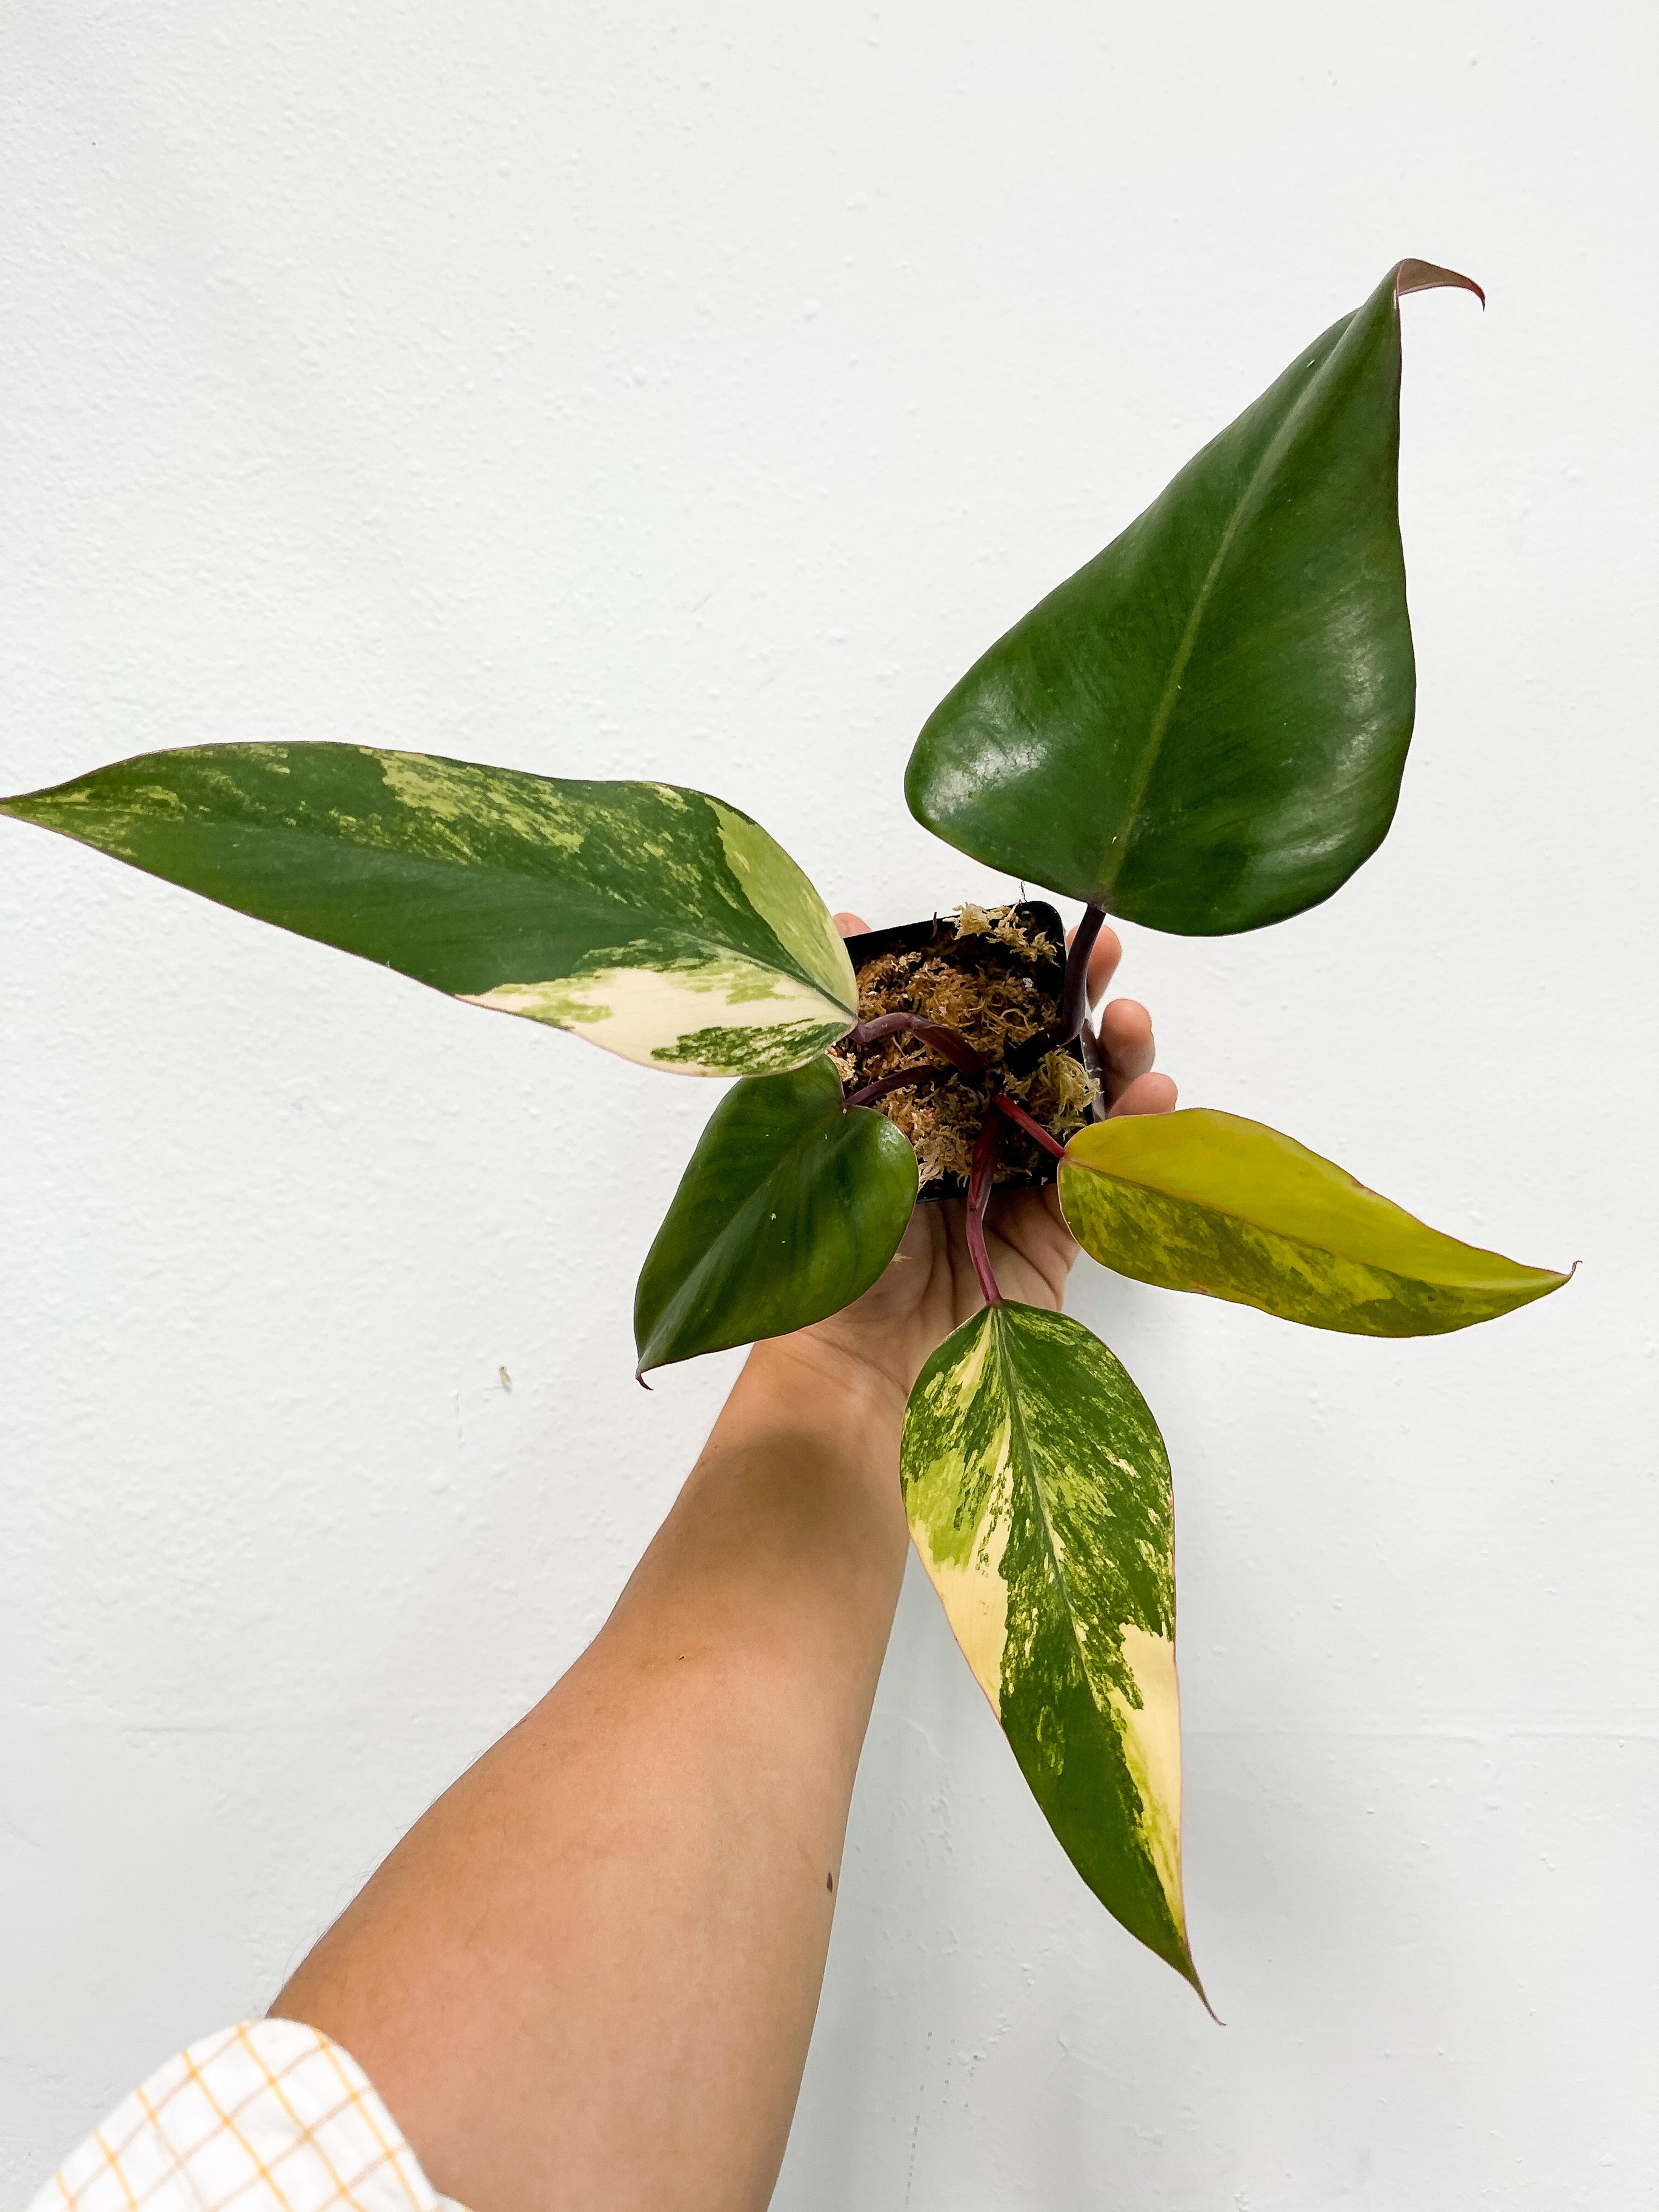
1204 729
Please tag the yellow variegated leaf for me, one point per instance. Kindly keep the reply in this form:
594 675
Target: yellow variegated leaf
1206 1201
650 920
1038 1494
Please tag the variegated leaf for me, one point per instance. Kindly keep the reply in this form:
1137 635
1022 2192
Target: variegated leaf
653 921
1038 1494
791 1206
1206 1201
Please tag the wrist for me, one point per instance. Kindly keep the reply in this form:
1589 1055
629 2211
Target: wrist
811 1382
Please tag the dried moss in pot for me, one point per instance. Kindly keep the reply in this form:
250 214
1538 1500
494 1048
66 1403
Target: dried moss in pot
994 977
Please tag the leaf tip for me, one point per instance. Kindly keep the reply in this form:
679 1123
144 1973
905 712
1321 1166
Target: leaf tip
1188 1973
1555 1278
1429 276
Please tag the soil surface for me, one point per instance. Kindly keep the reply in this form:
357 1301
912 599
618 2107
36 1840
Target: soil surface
995 975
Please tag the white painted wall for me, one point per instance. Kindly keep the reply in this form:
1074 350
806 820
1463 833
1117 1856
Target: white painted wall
619 390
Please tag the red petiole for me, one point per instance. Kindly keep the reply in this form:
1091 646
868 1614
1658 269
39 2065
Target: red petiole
1002 1109
898 1081
1072 1016
1004 1105
981 1176
956 1049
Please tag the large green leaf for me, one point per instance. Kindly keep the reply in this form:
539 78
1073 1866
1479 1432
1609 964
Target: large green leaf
1205 729
652 921
1206 1201
791 1205
1038 1493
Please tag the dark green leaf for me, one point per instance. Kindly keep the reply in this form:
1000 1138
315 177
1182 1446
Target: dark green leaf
1205 729
790 1207
1038 1493
652 921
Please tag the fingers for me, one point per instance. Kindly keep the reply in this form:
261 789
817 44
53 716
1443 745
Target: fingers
1125 1031
1102 961
1108 951
1126 1054
850 925
1147 1094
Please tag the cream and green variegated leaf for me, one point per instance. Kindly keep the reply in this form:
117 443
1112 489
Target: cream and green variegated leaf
1038 1494
791 1205
1206 1201
653 921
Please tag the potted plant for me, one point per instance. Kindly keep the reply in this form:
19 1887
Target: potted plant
1204 729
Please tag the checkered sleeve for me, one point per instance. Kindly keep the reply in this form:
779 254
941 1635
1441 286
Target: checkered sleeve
268 2117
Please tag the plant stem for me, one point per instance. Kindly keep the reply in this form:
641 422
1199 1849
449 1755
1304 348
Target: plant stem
981 1176
1074 996
1069 1022
896 1081
956 1049
1004 1105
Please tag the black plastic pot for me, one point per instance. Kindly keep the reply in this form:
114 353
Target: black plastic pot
1036 916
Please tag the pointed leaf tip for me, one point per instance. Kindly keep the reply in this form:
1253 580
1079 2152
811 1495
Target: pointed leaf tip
791 1205
1203 729
1037 1490
654 921
1210 1202
1430 277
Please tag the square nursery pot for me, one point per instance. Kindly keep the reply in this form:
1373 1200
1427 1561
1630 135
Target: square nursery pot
1036 917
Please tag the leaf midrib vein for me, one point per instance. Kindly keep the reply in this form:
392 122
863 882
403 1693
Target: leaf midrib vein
1163 713
745 1215
1289 1237
1016 1422
650 915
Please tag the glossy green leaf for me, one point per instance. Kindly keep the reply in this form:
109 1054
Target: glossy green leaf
791 1205
1204 1201
652 921
1205 728
1038 1494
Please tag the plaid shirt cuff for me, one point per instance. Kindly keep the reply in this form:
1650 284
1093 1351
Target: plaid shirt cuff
267 2116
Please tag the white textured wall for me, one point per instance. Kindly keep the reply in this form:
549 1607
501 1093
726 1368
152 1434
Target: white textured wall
623 390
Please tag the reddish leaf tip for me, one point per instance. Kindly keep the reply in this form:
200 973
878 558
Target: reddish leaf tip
1429 276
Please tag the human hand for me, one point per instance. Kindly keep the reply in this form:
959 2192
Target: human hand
931 1287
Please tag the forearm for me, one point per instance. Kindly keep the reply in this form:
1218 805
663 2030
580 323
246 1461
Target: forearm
587 1976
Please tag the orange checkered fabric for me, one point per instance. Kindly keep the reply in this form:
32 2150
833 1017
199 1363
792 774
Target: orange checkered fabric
268 2117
